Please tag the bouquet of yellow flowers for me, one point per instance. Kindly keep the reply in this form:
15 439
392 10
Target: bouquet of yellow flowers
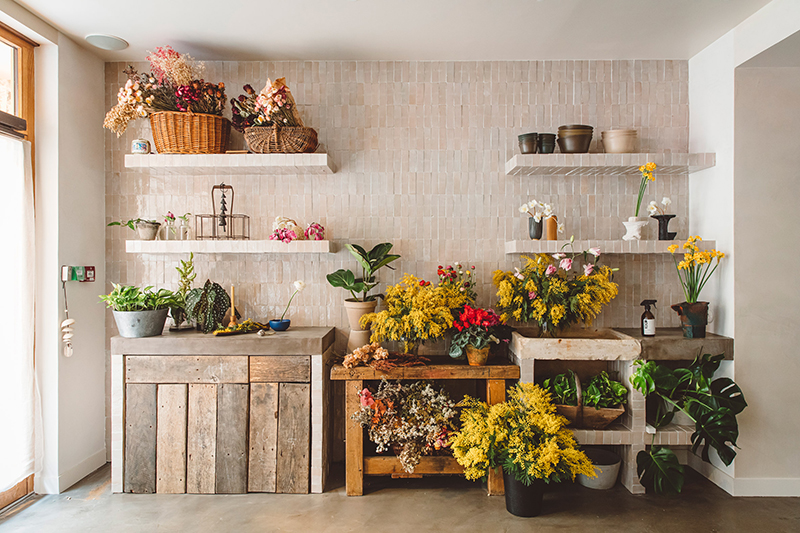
696 268
524 435
547 290
416 311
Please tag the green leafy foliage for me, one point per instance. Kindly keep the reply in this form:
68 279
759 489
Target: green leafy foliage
712 404
603 392
132 223
599 392
187 276
370 262
659 470
563 388
128 298
207 306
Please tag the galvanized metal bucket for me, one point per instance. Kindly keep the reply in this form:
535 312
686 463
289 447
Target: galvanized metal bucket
134 324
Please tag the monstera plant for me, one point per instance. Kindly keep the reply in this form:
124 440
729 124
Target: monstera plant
711 403
207 306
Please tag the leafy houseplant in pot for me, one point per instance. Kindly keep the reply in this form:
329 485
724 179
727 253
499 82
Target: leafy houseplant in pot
593 405
476 330
147 230
362 302
207 306
555 291
712 405
187 276
140 312
527 438
694 272
635 223
282 323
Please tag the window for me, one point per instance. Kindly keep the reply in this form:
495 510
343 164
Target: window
16 79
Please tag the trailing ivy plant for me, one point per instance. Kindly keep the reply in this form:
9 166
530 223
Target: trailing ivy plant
207 306
711 404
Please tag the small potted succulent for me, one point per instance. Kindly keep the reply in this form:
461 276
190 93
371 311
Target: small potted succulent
362 302
147 230
476 330
140 312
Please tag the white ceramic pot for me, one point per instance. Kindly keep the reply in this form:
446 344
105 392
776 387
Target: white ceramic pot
606 466
633 228
619 141
147 231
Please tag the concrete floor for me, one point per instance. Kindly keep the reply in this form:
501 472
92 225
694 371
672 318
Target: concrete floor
433 504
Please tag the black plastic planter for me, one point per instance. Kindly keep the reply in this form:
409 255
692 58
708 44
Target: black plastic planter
521 500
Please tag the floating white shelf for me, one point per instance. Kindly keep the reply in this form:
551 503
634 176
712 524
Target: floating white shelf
606 247
605 164
228 164
227 247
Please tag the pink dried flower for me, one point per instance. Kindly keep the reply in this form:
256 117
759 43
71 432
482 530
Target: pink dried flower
532 295
315 232
284 235
366 398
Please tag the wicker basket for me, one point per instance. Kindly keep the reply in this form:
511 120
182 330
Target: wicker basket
276 140
584 417
189 133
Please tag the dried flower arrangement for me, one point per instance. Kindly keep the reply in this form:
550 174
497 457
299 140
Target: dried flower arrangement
175 83
365 355
374 356
414 419
287 230
273 105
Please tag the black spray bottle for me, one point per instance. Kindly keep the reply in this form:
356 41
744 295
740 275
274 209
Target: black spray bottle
648 319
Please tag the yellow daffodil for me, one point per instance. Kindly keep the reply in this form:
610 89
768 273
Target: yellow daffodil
672 248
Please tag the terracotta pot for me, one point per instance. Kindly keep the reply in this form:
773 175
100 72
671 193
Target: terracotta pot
355 310
694 318
477 357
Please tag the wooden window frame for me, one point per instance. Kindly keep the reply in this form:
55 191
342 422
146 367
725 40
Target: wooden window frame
25 76
25 93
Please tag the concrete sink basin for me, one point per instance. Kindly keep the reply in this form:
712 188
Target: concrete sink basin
587 344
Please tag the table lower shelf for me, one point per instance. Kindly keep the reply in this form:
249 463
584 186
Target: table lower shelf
383 466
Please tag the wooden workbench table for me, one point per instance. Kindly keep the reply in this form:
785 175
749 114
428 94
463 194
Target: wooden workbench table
357 466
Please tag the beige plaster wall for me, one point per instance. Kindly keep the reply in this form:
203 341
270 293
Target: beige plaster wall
767 292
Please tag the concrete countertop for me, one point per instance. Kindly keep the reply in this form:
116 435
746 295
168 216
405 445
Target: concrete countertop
669 344
295 341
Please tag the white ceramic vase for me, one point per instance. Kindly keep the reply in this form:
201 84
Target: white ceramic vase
633 228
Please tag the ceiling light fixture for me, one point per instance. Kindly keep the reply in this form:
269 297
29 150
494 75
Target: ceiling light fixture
106 42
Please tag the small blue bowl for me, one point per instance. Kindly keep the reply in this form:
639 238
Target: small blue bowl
280 325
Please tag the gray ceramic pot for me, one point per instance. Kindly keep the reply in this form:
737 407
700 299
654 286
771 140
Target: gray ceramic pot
133 324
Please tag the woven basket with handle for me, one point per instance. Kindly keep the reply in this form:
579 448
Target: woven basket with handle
276 140
581 416
189 133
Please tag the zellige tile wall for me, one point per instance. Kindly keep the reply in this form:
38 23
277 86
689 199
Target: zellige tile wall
419 149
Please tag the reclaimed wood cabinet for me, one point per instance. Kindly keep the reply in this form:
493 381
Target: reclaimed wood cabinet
248 415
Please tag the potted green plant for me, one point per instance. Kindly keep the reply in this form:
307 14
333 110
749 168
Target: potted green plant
362 302
187 276
207 306
712 405
140 312
476 330
147 230
603 395
527 438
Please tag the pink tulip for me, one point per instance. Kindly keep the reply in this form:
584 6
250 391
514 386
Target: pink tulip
588 269
531 295
595 251
566 263
559 256
550 270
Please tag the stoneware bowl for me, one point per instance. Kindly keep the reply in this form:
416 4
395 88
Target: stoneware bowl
280 325
575 144
528 143
619 141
